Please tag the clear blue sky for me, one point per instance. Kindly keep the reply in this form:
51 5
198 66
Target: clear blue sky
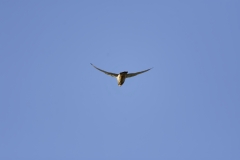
55 105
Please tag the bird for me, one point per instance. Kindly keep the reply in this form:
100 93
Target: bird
122 75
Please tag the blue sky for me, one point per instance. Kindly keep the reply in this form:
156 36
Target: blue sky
55 105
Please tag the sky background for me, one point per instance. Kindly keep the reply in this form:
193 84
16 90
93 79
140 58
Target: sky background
55 105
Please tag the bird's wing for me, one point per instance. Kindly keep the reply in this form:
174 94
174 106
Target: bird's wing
134 74
108 73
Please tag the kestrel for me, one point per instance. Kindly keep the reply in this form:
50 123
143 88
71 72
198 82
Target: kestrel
122 75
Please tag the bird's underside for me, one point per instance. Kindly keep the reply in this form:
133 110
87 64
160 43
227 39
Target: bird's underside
122 75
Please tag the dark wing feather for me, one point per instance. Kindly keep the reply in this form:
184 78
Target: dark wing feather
134 74
108 73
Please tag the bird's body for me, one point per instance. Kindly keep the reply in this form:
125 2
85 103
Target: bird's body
121 78
122 75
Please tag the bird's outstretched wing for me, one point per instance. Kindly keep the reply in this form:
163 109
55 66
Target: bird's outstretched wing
108 73
134 74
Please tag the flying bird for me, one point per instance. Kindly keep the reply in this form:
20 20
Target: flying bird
122 75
